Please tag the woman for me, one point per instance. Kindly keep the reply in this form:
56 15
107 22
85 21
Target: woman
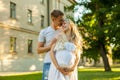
65 53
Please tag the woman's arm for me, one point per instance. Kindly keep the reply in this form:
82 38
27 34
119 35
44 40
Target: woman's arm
76 60
52 52
52 55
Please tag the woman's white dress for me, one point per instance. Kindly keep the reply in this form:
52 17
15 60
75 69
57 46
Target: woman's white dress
65 58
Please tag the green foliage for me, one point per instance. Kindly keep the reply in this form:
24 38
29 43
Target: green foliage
116 52
90 52
102 25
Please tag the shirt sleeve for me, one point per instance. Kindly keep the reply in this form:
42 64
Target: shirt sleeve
41 37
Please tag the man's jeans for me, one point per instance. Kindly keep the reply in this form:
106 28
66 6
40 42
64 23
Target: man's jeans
46 68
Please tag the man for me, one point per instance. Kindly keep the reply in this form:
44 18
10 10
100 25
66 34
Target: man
45 40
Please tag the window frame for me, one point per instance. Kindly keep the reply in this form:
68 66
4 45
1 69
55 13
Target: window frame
12 10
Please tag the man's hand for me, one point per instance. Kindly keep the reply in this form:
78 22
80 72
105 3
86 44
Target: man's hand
53 41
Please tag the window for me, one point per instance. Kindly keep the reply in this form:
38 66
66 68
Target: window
29 46
42 1
42 21
12 44
29 15
12 10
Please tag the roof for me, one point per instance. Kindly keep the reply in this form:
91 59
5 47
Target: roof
72 1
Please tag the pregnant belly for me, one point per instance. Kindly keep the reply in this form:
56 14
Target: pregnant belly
65 58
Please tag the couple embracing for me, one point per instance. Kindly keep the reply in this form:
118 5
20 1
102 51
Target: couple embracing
62 43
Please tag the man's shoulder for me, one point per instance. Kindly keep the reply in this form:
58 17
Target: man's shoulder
46 30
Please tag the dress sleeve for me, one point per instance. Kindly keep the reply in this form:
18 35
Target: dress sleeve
70 46
60 42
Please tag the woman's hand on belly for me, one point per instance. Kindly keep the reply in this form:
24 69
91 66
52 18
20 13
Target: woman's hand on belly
68 70
63 70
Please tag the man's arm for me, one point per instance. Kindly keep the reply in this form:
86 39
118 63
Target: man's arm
41 48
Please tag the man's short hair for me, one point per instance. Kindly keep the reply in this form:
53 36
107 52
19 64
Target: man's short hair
56 13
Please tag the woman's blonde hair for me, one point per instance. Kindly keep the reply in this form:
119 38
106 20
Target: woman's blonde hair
75 35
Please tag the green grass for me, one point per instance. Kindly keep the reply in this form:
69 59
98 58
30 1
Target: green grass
24 76
84 74
98 74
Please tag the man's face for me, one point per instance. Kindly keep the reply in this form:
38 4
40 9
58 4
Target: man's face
58 21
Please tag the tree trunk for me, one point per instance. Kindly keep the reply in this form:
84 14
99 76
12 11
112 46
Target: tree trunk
104 57
101 39
103 51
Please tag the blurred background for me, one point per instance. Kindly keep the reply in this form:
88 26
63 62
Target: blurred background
21 21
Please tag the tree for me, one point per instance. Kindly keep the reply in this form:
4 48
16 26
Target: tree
100 27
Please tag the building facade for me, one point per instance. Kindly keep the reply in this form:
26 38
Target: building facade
20 23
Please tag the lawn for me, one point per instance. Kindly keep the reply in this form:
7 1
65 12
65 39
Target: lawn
98 74
83 74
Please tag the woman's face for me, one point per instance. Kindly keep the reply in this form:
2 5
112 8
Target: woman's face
65 26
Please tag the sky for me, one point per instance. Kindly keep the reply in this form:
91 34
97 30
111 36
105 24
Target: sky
80 10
